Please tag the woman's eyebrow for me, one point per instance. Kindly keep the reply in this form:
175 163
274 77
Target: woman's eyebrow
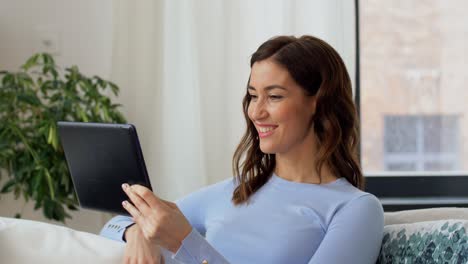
268 88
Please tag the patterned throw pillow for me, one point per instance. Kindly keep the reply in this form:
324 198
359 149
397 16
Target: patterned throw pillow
444 241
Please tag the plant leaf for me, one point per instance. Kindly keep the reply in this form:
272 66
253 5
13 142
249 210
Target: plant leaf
31 102
8 186
29 98
32 61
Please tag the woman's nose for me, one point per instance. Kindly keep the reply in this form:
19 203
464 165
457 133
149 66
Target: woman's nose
258 110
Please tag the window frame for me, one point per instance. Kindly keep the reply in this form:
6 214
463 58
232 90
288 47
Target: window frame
400 191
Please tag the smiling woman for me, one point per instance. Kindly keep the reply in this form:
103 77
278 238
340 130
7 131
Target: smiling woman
299 87
295 196
278 106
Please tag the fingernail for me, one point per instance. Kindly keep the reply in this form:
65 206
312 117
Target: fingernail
124 203
124 186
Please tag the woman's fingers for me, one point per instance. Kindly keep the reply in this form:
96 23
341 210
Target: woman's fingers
148 196
133 211
138 201
163 223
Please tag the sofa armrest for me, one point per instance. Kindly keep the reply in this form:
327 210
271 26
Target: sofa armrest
25 241
420 215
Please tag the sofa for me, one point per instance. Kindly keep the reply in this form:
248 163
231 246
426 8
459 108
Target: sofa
426 236
26 241
437 235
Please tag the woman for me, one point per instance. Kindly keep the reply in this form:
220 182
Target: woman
295 197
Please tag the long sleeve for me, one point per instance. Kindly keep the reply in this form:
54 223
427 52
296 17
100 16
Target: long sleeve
115 228
283 219
195 249
354 235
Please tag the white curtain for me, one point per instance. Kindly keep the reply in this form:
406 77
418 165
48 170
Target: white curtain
182 66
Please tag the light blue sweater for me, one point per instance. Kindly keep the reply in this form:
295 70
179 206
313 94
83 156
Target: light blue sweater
284 222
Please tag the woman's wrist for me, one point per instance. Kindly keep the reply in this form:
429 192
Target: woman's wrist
129 232
174 248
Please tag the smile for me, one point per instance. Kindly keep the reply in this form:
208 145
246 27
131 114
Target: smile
265 131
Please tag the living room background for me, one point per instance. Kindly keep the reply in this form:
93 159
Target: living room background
182 67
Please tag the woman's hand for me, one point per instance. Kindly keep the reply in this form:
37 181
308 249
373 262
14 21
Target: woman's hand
161 222
140 250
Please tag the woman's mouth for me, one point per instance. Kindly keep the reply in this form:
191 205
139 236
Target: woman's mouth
265 131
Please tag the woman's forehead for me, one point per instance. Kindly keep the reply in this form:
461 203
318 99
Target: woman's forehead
267 73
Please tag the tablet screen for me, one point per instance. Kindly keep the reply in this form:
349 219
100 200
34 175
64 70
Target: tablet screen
101 157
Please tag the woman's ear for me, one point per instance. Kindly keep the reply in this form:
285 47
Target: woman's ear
313 104
313 109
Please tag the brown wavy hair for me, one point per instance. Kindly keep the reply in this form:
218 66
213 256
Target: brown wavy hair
321 72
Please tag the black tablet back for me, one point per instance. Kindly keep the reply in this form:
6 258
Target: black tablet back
101 157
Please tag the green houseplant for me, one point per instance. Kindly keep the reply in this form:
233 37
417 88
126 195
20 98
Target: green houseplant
31 102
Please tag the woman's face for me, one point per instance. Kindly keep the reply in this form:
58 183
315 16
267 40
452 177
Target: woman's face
279 108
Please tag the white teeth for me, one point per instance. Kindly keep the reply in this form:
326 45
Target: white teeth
265 129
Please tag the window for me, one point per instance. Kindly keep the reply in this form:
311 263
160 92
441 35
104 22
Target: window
421 143
412 97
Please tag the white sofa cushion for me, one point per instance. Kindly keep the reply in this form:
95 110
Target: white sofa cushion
421 215
25 241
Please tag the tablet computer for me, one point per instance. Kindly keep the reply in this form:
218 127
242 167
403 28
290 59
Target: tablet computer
101 157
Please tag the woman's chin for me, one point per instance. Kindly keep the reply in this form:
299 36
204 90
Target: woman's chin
267 149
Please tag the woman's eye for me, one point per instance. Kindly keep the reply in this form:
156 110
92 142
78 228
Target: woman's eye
253 96
276 97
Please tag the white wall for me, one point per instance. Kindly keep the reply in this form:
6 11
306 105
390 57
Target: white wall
84 32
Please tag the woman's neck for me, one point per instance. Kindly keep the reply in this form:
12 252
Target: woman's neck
299 164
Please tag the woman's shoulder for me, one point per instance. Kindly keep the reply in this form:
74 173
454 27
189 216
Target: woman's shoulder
362 205
365 200
353 199
350 192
